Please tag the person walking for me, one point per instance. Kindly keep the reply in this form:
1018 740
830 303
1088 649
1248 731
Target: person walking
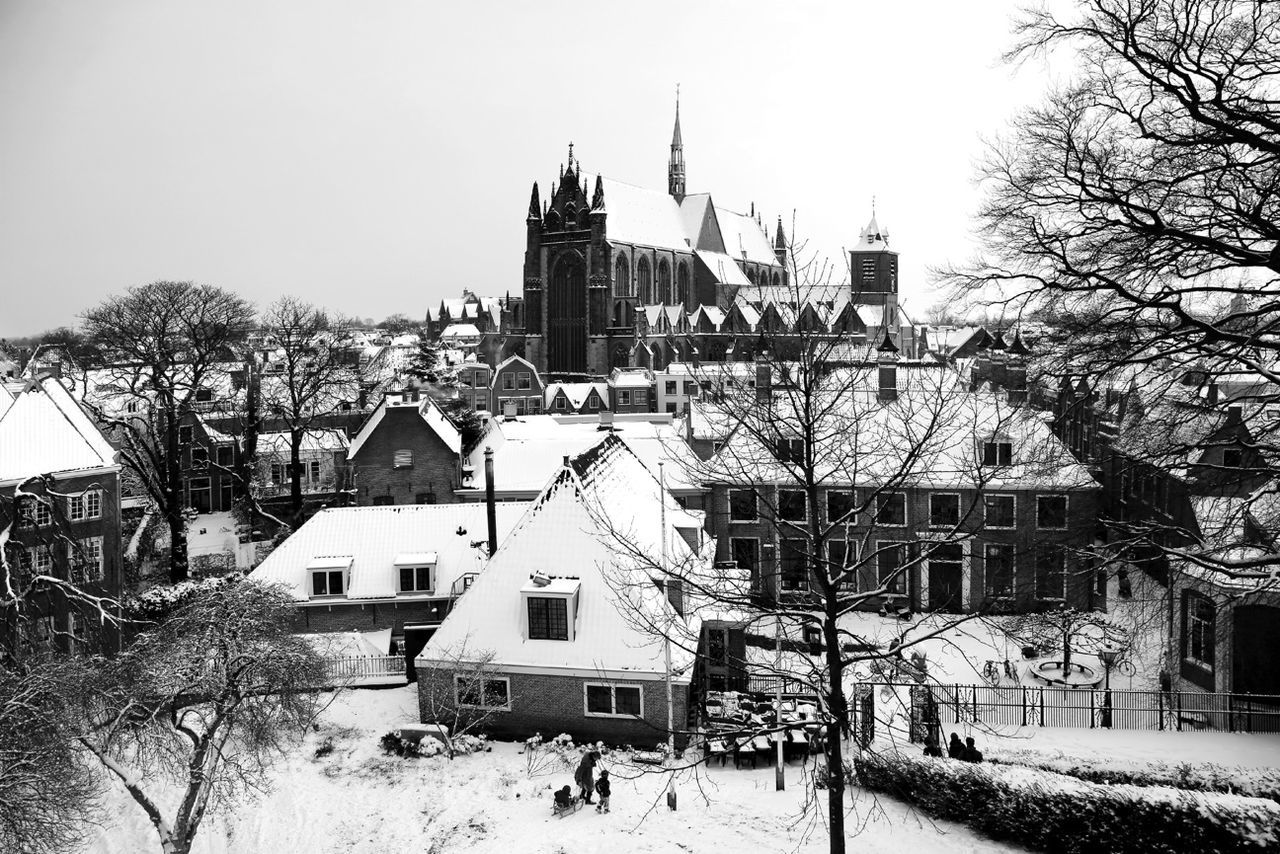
585 777
602 789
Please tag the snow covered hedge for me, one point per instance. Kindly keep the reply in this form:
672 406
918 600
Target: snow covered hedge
1051 812
1205 777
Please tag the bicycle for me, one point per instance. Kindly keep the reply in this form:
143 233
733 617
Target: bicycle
991 672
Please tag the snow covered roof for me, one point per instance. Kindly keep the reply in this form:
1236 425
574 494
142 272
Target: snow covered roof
44 431
745 238
430 413
928 437
313 441
644 217
460 330
873 238
373 541
574 531
576 393
630 378
723 268
528 451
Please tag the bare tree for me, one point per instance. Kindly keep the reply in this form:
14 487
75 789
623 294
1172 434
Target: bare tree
831 446
205 701
1134 211
317 371
461 691
1069 630
166 342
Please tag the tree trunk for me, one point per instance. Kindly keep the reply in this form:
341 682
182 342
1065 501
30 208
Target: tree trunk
840 727
1066 654
295 468
173 513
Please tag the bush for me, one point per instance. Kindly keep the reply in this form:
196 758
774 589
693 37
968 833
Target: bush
1051 812
1251 782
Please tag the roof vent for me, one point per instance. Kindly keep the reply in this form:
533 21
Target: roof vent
540 579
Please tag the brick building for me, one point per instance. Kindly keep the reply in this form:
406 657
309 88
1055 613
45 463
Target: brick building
60 504
576 398
406 452
517 388
557 646
951 499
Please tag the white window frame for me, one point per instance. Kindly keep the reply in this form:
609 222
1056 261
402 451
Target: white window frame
986 515
925 561
906 511
457 699
904 572
1205 627
624 397
570 615
986 571
311 584
431 579
959 512
85 506
89 549
41 560
804 506
1066 511
613 700
43 513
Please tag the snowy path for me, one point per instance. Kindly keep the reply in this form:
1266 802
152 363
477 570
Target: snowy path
358 800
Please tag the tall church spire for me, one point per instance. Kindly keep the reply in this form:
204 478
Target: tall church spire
675 166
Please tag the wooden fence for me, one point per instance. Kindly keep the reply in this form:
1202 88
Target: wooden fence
354 670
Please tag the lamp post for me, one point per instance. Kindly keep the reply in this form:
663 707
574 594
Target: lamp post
1108 654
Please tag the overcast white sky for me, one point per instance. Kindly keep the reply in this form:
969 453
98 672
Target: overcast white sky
374 157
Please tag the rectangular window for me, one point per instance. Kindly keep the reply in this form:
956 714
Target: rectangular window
185 434
42 559
1051 512
41 511
671 387
999 570
890 567
1232 458
641 397
1051 572
593 402
791 505
548 618
225 457
1001 511
508 381
524 383
561 403
327 582
87 554
795 565
204 395
891 509
1198 636
403 459
944 510
997 453
613 700
742 505
415 579
790 451
313 471
840 507
746 554
482 692
277 473
690 387
624 397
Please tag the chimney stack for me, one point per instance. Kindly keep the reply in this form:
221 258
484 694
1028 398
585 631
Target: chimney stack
887 359
491 506
1211 393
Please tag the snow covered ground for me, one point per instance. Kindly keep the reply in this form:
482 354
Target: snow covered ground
357 799
212 533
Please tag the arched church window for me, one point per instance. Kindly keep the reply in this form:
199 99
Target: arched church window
751 275
553 221
644 282
682 284
664 282
776 281
570 217
622 277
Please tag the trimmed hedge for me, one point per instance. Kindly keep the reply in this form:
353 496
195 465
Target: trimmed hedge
1205 777
1050 812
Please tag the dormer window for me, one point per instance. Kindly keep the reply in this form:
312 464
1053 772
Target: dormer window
417 571
328 575
550 607
997 452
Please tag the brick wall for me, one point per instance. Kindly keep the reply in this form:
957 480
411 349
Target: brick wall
434 470
354 617
1024 537
554 704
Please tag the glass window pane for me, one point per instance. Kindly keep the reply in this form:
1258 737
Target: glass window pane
628 700
599 700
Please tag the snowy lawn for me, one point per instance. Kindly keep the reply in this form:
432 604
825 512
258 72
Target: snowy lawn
357 799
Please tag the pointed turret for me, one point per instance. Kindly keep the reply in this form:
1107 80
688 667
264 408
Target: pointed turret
535 206
675 166
597 198
1018 347
780 244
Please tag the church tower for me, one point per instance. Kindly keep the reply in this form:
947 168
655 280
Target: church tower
873 268
675 166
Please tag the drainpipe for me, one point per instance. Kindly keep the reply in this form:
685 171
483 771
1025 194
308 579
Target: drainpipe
491 508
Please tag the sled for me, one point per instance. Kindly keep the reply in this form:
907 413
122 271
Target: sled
572 807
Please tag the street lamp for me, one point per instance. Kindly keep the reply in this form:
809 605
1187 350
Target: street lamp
1108 654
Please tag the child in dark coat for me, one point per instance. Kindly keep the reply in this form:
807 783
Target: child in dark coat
602 789
563 798
955 748
971 752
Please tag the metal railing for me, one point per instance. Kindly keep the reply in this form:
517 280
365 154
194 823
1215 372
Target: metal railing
364 670
1092 708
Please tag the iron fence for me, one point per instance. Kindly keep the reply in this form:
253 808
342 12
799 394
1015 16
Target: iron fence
1088 708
